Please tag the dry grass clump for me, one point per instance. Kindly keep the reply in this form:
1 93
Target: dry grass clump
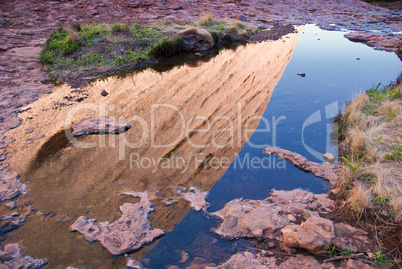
206 19
370 143
119 27
73 35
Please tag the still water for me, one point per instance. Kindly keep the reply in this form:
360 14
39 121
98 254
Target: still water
251 96
336 71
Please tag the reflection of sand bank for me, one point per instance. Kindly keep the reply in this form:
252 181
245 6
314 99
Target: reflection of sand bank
226 94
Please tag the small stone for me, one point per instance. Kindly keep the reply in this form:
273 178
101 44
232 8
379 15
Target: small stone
3 157
358 59
291 217
329 157
11 204
29 130
13 250
196 197
184 257
93 12
241 18
2 22
133 264
271 245
301 74
4 256
104 93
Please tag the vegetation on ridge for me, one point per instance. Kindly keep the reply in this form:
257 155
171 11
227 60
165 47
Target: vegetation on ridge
80 51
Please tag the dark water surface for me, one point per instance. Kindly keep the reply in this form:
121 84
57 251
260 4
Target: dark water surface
336 71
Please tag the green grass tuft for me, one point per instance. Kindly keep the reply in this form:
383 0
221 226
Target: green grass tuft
166 47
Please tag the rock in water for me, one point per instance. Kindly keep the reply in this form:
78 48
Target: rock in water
10 186
196 197
128 233
99 125
13 257
323 170
329 157
261 218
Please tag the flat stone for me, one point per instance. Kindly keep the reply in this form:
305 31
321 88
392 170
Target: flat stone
10 186
16 259
352 238
262 218
99 125
248 260
304 262
27 54
11 204
129 233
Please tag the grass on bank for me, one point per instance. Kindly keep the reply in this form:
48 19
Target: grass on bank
370 177
370 130
85 50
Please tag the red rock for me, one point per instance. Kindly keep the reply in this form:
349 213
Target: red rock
323 170
10 186
128 233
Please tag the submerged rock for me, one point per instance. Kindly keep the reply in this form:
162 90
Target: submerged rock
196 197
12 256
133 264
323 170
128 233
99 125
10 186
11 222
